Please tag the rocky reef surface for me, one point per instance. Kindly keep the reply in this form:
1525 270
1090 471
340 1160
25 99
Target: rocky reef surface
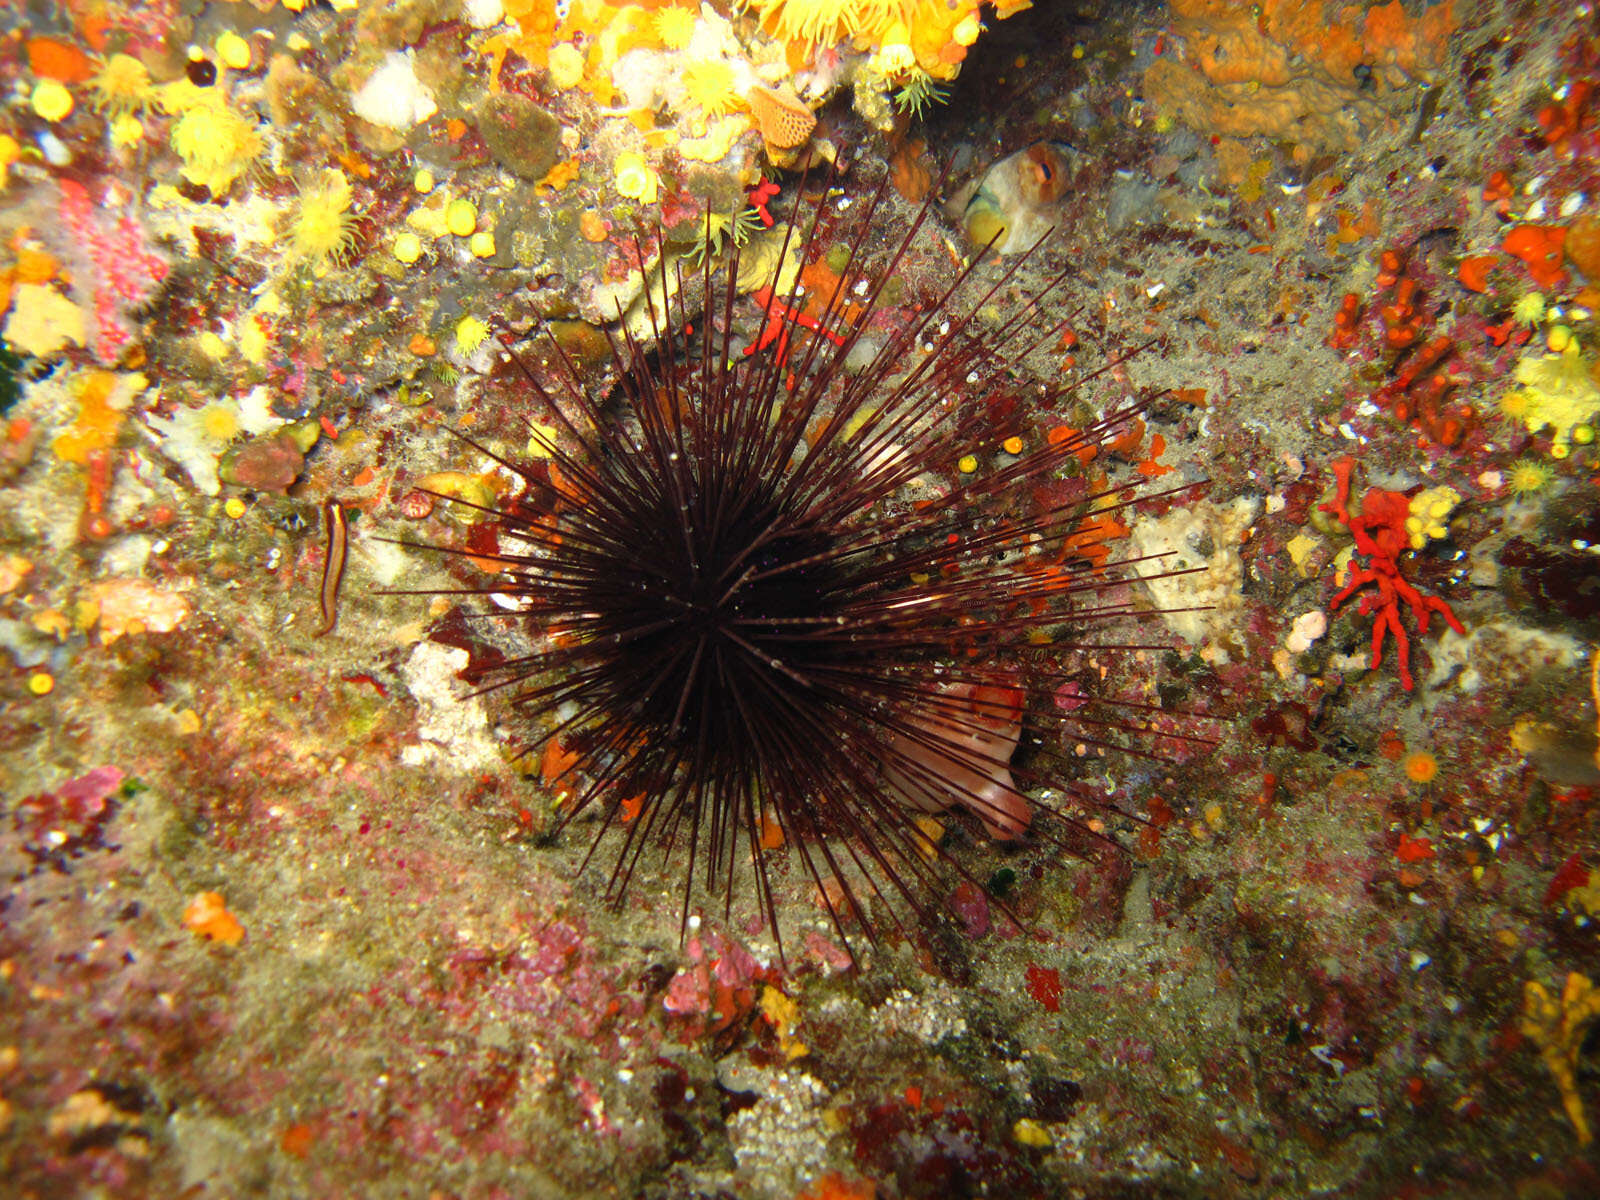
283 912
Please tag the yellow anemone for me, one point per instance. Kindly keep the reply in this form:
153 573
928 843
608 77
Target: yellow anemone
216 144
122 87
711 87
322 228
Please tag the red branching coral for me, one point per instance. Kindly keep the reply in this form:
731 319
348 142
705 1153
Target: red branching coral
781 319
1380 533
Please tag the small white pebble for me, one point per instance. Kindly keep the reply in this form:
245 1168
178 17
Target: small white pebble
483 14
54 149
1308 627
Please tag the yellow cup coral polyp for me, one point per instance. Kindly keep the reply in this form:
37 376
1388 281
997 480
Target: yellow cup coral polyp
895 54
216 144
122 86
322 229
636 179
709 87
941 33
822 22
674 27
932 35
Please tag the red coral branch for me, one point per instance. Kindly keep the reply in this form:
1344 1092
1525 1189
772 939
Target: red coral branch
1379 530
780 318
759 197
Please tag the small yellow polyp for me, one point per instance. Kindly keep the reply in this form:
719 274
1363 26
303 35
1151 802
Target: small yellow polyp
461 218
470 334
1012 445
967 464
126 130
234 507
423 181
482 244
234 51
1030 1133
41 684
51 100
408 247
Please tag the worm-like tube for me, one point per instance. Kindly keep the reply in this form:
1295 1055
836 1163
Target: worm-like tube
334 523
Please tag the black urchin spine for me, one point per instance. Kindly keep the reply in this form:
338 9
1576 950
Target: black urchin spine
761 629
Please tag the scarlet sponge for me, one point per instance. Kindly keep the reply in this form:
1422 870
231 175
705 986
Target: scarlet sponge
757 605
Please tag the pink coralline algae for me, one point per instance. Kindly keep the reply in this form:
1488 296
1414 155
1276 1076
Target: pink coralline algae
125 274
1379 530
717 986
60 825
971 907
554 981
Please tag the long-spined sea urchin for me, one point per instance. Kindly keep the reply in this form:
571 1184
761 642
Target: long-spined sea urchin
758 601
